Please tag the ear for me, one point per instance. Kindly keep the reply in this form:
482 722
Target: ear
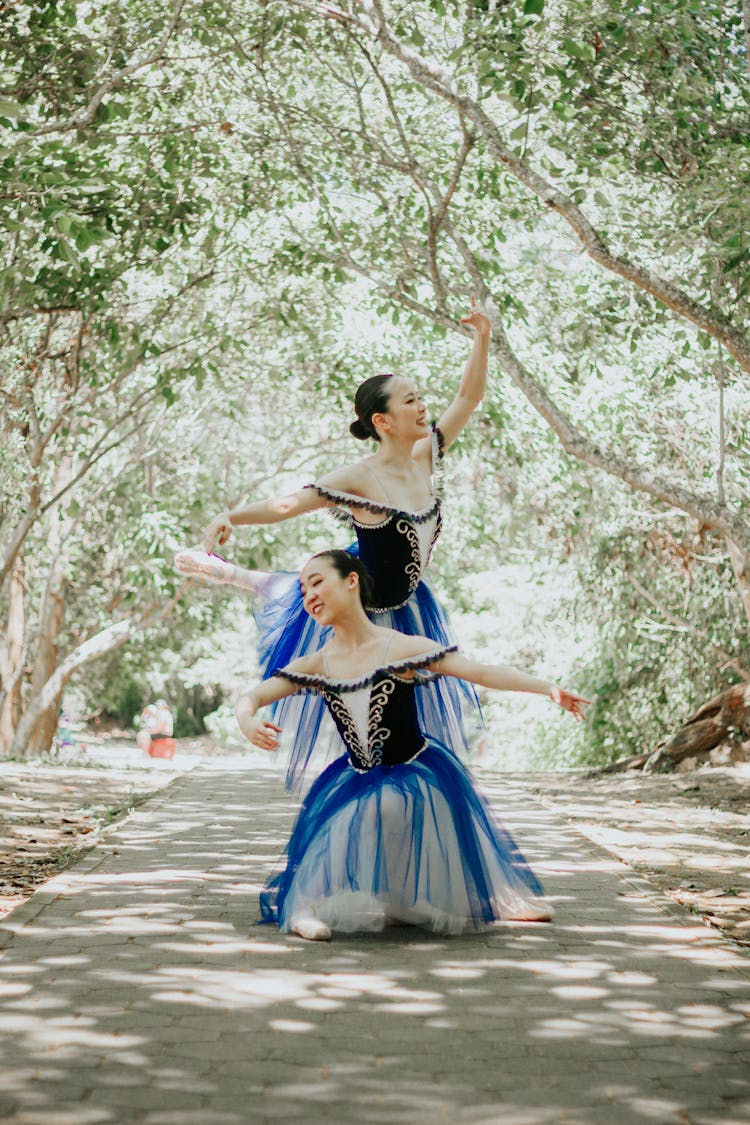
381 421
352 580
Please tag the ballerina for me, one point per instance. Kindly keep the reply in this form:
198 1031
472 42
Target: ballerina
394 829
391 501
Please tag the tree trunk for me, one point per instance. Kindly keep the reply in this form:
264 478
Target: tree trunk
51 613
721 718
109 639
12 659
50 622
741 567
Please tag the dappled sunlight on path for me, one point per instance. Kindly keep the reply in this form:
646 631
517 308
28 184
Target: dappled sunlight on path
688 833
137 987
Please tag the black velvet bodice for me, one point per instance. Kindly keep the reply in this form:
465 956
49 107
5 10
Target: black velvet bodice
396 551
383 700
394 556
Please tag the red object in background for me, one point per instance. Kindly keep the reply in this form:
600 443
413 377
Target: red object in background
162 747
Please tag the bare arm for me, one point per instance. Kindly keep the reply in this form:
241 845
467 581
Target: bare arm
351 480
474 381
499 677
274 510
256 730
503 677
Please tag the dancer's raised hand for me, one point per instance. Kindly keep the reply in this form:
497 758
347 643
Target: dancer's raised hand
477 319
571 702
218 532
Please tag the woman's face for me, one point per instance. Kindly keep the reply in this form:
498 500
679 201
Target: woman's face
407 414
325 594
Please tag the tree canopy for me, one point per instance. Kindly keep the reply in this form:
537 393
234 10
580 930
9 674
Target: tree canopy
218 219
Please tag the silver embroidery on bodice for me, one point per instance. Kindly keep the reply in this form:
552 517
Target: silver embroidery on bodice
360 714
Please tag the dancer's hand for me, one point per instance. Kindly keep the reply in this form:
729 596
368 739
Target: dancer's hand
217 532
571 702
260 732
477 320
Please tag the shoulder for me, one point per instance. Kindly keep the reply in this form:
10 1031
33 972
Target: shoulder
353 479
310 665
406 647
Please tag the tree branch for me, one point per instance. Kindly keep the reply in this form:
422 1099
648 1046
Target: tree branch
686 627
84 119
109 639
372 21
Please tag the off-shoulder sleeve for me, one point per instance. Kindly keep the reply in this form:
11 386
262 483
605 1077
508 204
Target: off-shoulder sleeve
438 445
301 680
340 510
344 501
420 664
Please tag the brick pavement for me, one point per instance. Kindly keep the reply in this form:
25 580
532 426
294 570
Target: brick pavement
137 988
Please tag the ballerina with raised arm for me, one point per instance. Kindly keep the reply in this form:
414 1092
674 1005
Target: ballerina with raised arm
391 501
393 830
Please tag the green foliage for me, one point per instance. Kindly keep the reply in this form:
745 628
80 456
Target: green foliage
217 226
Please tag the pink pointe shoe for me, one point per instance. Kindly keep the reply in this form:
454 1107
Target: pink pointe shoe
310 928
200 564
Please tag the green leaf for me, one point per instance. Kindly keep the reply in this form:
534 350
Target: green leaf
62 249
533 7
579 50
9 108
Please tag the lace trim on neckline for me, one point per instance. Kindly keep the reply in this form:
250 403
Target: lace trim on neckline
420 516
394 667
374 506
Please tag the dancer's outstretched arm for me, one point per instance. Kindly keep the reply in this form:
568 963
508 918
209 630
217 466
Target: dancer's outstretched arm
499 677
274 510
473 384
503 677
211 568
351 479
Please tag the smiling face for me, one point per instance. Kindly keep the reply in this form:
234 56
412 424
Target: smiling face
406 416
325 594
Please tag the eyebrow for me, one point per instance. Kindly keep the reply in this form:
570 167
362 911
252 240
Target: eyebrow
314 574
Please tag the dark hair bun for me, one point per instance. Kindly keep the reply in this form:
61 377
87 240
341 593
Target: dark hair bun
358 430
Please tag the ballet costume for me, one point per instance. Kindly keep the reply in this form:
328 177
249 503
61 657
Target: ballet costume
396 551
394 830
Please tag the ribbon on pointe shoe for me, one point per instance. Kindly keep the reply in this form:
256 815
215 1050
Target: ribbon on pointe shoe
200 564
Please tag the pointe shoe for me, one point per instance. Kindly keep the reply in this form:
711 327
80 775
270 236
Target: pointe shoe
199 564
533 912
310 928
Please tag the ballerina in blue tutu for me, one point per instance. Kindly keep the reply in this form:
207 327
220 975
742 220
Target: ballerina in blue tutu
393 831
391 502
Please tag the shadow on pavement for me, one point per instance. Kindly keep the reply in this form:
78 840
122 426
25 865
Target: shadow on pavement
144 991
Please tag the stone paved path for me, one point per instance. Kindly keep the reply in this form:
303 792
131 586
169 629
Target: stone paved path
136 988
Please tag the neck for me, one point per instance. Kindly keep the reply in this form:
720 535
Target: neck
398 452
353 630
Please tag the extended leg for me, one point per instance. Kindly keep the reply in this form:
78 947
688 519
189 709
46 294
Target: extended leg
212 568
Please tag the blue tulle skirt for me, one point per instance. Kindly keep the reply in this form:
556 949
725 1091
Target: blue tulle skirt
286 632
414 844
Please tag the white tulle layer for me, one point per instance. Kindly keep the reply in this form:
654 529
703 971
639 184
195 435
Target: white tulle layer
411 844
